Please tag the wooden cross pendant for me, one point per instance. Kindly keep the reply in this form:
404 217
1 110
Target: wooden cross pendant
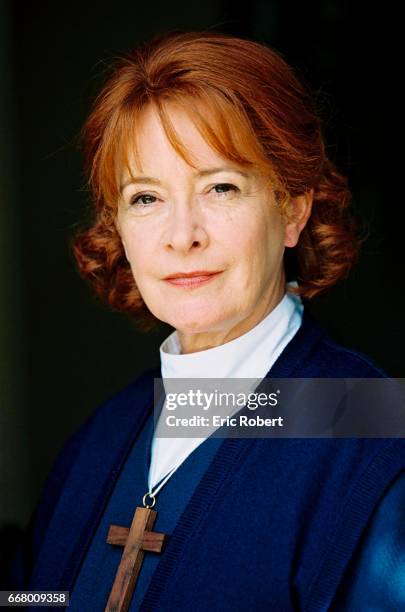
136 540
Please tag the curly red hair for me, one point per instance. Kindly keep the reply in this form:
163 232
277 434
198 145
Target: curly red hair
252 109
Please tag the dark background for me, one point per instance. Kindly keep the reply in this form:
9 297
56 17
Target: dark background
62 353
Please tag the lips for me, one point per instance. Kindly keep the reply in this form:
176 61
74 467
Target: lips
192 279
192 274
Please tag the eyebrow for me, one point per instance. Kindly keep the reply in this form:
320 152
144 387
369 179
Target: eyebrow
154 181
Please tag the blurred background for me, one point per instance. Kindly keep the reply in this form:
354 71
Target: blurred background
61 352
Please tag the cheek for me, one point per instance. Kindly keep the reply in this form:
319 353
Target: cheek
139 267
260 245
266 261
136 250
272 238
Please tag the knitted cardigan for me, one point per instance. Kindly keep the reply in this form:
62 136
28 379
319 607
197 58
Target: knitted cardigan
273 524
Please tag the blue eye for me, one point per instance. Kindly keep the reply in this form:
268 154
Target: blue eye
137 199
225 187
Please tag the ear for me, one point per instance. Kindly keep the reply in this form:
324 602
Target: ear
300 209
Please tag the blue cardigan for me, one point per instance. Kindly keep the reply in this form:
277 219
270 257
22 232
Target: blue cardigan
266 524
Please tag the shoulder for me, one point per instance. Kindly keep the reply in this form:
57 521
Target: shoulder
98 431
109 422
121 402
348 361
330 359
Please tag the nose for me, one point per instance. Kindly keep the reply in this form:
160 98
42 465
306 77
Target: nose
186 227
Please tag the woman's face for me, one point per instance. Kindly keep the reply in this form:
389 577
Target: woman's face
219 218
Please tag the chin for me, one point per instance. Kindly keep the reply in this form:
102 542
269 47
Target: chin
193 326
195 323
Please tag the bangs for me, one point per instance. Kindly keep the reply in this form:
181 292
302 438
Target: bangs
222 123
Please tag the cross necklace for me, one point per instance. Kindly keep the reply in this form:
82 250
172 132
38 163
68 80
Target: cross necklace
136 540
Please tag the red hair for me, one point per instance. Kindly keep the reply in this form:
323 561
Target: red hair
252 109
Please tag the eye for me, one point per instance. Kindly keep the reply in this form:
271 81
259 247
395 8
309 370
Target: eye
224 188
143 200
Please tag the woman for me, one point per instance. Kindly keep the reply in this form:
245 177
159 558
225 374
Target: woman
218 212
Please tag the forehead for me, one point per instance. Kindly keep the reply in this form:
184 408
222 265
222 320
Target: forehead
152 149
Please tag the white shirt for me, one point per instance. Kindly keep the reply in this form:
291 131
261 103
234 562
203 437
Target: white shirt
251 355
